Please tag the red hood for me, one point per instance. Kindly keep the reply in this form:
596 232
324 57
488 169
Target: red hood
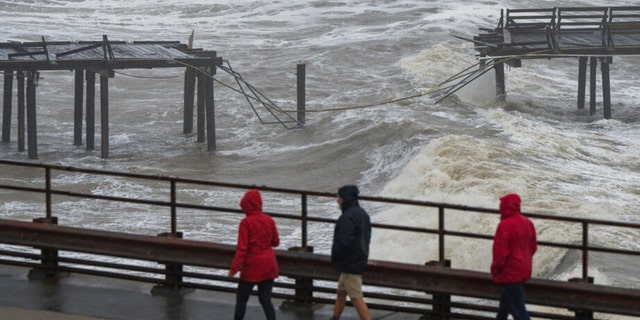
509 205
251 203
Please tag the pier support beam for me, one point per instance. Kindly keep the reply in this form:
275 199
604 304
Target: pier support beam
6 106
189 92
202 87
582 81
210 111
32 138
104 115
592 85
501 89
91 109
20 75
77 107
301 92
606 87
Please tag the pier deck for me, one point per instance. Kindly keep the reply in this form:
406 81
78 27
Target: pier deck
587 33
22 62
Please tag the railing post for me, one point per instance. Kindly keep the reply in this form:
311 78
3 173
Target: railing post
303 287
441 234
579 313
441 308
303 219
172 284
49 257
585 251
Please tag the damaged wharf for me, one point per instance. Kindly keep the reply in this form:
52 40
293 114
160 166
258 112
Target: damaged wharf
24 62
590 34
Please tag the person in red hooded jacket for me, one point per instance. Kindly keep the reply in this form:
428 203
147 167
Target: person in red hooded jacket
514 245
254 257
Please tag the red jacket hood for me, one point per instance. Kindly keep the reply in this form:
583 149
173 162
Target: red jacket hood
251 203
509 205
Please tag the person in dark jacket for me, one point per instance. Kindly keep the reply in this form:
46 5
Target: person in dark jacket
254 257
350 251
514 245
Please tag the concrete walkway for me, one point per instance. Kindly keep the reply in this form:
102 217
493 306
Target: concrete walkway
82 297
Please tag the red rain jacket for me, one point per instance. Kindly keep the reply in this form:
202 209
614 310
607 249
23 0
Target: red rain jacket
514 243
255 258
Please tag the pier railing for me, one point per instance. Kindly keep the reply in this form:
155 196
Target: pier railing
197 264
574 18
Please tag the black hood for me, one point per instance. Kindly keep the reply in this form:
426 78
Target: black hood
349 195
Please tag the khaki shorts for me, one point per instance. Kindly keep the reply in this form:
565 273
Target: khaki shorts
351 283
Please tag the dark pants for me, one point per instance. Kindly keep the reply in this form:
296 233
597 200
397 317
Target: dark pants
264 296
512 301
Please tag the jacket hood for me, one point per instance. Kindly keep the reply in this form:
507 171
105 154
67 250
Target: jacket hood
509 205
251 203
349 195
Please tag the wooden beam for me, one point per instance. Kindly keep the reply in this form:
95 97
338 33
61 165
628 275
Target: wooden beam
582 81
202 88
6 106
210 112
592 85
20 75
90 121
104 115
606 87
32 138
189 92
77 107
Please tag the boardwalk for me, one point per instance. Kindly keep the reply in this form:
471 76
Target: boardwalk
590 34
79 297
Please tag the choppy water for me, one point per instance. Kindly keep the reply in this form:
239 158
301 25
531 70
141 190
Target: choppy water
466 150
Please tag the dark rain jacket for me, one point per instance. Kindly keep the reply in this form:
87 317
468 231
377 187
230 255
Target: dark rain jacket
351 238
255 258
514 243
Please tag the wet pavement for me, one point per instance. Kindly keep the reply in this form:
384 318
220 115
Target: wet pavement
84 297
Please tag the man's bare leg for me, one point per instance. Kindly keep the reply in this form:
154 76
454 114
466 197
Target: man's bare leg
361 307
341 302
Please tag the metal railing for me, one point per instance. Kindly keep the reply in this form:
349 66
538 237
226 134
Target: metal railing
174 272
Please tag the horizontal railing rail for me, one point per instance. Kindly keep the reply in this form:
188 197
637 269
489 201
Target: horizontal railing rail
572 18
302 257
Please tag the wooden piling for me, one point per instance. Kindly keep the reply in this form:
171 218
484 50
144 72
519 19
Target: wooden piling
301 92
91 109
202 88
104 115
582 81
592 84
189 92
606 87
210 111
501 91
77 107
32 140
6 106
20 75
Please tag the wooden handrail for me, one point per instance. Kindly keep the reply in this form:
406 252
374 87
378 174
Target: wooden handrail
296 264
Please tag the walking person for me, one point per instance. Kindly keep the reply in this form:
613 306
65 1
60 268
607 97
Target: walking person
254 257
350 252
514 245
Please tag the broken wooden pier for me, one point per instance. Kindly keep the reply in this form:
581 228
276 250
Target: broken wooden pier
24 62
589 34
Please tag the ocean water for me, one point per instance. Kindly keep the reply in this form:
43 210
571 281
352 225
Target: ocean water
469 149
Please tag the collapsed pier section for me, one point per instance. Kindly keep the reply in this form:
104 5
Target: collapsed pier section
590 34
23 61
